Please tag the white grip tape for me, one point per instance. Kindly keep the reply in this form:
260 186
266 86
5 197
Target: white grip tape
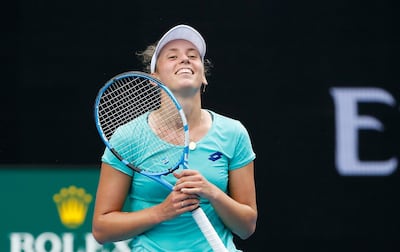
208 230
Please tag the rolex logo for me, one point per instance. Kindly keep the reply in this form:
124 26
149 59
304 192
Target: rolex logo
72 204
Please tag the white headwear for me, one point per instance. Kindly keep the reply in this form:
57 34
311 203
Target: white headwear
179 32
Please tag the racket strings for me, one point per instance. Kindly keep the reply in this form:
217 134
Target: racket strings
124 101
140 120
167 124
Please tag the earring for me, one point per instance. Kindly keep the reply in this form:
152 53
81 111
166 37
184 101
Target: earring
204 88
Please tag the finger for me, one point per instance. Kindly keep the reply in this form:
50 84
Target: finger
189 203
187 172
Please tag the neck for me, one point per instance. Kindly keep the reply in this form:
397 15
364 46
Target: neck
192 109
195 118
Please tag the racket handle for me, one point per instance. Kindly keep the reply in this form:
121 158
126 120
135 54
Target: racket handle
208 230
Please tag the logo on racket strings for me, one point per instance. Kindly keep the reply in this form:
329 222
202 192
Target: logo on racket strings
165 161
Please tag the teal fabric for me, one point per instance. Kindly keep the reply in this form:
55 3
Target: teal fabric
227 146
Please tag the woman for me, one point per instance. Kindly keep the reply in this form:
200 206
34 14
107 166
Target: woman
220 178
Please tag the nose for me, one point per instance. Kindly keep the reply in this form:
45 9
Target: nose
184 59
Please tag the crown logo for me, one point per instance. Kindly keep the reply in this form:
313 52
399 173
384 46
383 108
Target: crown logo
72 204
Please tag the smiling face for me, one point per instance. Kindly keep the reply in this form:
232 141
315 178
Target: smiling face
179 66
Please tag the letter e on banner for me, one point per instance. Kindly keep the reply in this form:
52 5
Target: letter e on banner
348 123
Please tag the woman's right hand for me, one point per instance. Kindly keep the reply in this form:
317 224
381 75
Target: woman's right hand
178 203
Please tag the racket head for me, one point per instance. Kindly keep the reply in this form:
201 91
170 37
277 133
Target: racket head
142 123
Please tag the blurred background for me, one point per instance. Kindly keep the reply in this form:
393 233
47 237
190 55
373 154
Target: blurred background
276 65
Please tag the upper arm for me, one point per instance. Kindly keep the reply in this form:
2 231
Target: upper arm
242 185
112 190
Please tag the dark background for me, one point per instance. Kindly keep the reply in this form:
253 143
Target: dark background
274 63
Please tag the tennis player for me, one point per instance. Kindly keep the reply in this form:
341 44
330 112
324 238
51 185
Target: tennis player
220 177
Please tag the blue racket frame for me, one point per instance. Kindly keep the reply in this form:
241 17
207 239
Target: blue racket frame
156 176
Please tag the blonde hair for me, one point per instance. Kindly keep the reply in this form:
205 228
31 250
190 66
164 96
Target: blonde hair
146 55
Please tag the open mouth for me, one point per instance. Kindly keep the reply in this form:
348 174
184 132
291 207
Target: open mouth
184 71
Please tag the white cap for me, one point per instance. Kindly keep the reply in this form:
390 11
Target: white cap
179 32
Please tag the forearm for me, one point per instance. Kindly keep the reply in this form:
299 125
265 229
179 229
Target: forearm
117 226
238 210
240 218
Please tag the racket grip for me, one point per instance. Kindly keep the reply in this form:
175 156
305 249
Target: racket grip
208 230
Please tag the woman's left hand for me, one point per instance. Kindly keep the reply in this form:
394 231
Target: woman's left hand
192 182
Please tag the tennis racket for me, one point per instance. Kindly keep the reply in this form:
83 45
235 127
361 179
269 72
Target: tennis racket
143 125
